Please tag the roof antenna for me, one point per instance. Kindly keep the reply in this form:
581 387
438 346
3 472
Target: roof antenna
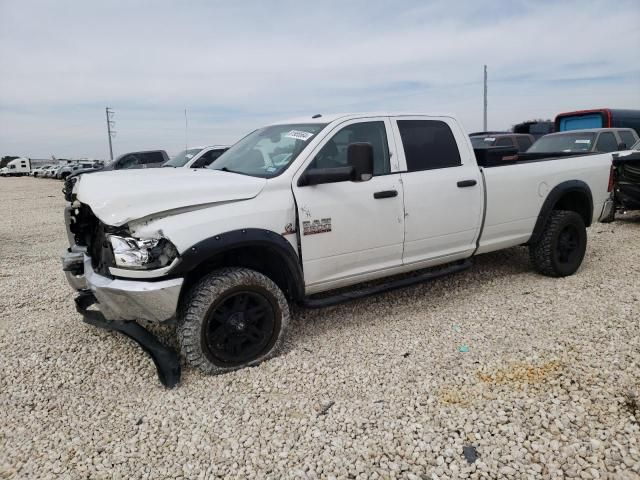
317 115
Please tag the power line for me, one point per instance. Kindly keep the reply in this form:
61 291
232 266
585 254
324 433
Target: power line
110 132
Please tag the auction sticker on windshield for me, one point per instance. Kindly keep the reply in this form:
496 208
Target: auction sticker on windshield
299 135
583 141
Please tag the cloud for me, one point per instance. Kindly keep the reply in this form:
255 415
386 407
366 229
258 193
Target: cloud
238 66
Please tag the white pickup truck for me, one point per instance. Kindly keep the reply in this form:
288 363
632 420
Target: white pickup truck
308 206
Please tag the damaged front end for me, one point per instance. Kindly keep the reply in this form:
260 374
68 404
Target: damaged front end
95 263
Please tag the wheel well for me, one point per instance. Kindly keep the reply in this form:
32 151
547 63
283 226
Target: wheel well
572 195
261 258
576 201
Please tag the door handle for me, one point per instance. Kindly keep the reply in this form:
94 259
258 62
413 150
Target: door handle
466 183
386 194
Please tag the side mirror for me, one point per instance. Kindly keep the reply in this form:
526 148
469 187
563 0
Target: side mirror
622 146
360 158
316 176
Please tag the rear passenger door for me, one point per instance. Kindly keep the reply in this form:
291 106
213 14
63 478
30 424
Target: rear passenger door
443 193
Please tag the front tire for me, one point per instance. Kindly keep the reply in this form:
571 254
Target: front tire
232 318
560 250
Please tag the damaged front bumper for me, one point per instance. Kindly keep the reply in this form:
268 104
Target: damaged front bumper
123 299
121 303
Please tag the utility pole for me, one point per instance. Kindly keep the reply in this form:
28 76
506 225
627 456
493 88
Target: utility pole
484 128
110 133
186 131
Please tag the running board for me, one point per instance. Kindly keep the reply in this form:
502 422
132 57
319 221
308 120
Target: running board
386 287
165 359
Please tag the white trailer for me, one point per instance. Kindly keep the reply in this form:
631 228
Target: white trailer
17 167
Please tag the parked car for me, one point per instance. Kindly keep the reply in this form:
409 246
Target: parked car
135 160
304 207
128 161
537 128
197 157
39 172
67 170
53 173
520 141
36 171
598 118
589 140
17 167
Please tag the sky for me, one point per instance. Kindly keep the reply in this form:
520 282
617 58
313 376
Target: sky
238 65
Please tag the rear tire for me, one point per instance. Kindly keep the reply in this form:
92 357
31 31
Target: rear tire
560 250
232 318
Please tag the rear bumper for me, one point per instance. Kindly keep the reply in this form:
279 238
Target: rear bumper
123 299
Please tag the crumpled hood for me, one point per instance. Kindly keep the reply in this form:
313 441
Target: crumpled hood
118 197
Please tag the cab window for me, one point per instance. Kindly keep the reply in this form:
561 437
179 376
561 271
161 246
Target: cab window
428 144
334 152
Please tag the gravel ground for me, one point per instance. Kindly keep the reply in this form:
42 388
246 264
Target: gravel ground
378 388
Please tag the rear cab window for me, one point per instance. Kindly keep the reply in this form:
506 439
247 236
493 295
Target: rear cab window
505 142
482 141
152 158
606 143
627 138
523 143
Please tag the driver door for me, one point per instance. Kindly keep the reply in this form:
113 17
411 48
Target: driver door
351 231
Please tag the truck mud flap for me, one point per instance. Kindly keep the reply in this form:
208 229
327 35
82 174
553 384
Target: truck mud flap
165 359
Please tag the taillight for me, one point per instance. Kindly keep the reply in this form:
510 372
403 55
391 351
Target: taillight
612 174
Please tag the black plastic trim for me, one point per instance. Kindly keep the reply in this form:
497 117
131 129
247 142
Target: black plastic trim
385 287
552 198
165 359
207 249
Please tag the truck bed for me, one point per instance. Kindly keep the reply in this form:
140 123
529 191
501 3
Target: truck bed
516 191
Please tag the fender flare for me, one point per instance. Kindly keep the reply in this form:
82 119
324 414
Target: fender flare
552 199
209 248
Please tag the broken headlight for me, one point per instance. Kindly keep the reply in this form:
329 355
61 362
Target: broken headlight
129 252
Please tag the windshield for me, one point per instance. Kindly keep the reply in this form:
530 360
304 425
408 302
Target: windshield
182 158
480 142
564 142
268 151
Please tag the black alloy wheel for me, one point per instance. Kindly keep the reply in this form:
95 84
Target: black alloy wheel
239 328
567 245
